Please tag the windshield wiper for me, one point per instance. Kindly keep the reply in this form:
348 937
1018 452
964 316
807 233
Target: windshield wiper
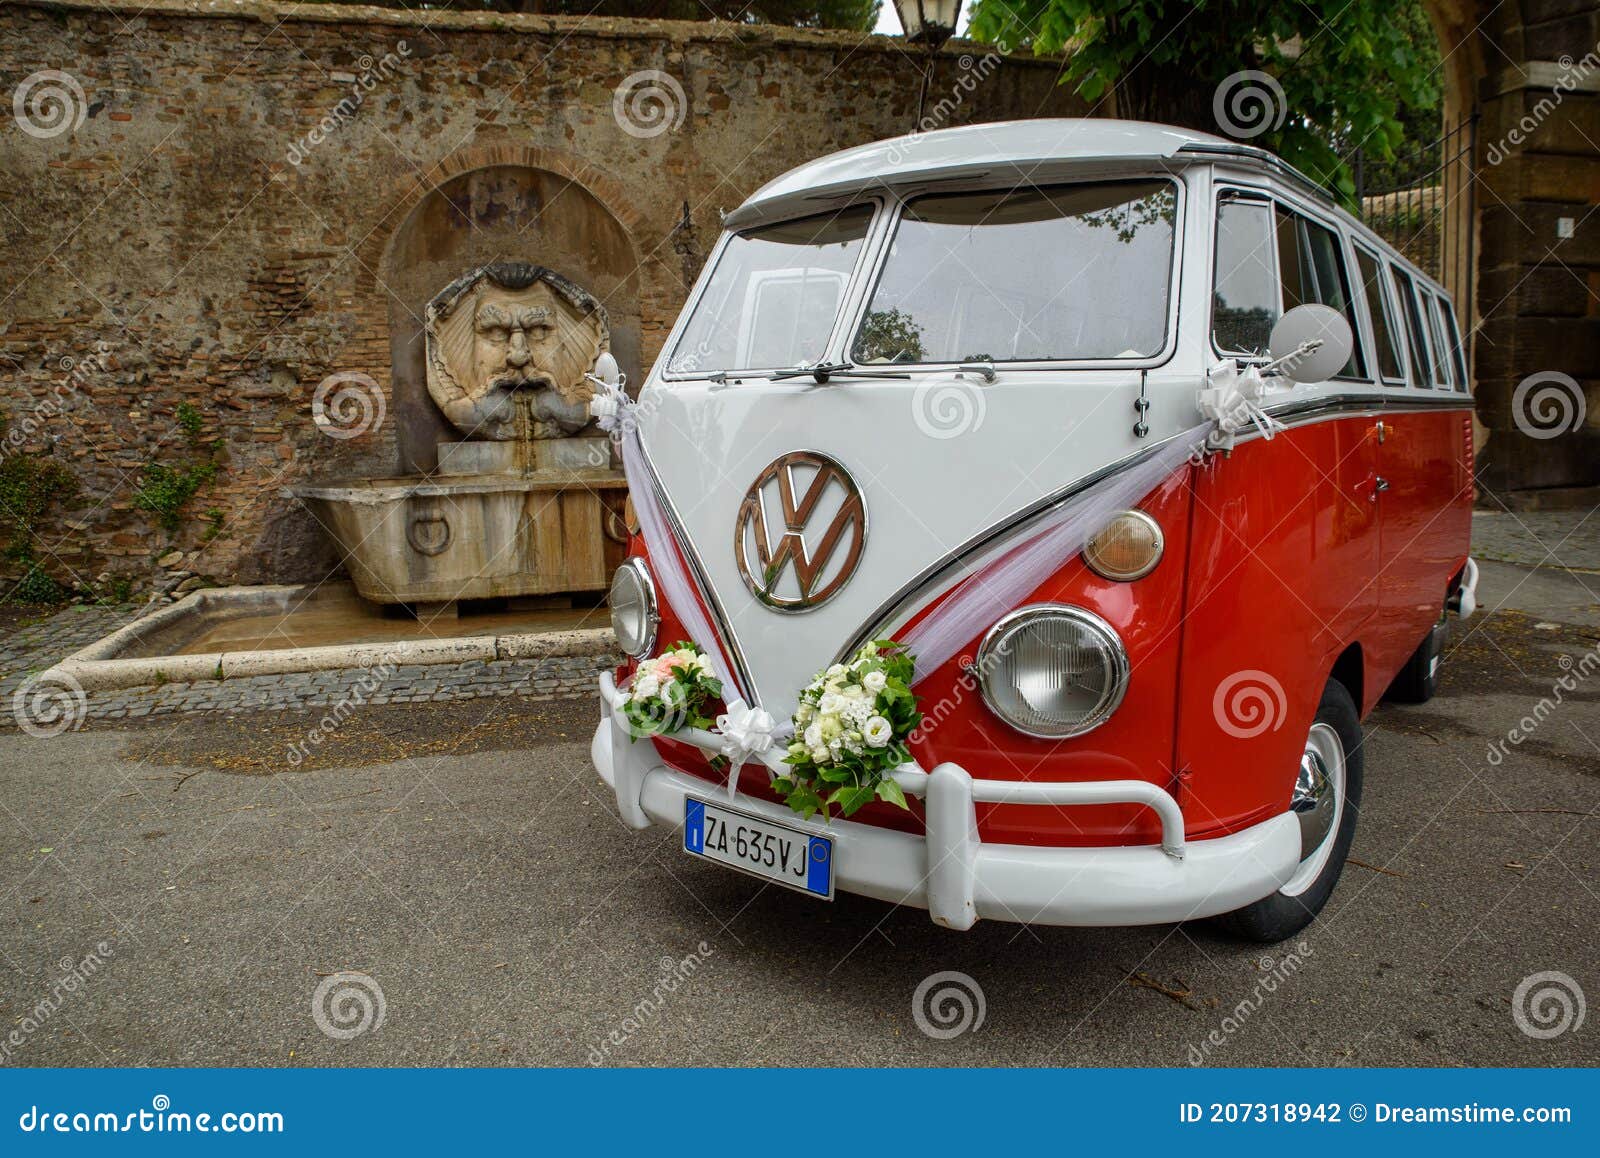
823 371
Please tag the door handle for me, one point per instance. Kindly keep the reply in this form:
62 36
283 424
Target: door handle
1381 485
1382 432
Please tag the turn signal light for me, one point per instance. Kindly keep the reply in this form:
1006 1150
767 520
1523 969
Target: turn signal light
1126 548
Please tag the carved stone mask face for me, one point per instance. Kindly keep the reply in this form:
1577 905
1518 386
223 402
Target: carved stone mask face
510 338
507 330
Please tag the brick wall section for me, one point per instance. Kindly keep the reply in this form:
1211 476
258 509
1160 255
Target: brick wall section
174 226
1537 292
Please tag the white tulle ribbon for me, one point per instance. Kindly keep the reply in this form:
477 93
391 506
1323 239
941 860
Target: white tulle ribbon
747 732
618 415
999 584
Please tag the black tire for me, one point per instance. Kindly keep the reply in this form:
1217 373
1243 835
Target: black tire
1419 679
1282 915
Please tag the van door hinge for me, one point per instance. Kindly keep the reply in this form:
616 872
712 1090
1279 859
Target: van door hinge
1142 406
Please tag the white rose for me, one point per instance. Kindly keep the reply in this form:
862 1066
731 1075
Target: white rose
672 692
646 686
831 704
878 732
813 736
835 671
874 681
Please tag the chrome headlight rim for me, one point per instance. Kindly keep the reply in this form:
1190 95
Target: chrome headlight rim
636 567
1133 576
1013 621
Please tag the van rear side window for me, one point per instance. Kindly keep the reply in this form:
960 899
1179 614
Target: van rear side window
1421 367
1381 309
1453 334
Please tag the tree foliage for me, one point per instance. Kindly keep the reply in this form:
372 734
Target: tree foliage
1354 74
860 15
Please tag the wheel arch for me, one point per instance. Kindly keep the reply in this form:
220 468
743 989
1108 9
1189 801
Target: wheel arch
1351 671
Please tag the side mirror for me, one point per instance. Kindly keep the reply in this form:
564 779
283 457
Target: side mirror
1310 343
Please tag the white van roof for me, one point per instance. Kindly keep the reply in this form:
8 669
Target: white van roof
1028 148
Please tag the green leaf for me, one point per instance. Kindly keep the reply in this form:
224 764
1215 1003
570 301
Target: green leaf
888 790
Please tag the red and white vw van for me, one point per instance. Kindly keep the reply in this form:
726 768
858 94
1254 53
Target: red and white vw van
904 360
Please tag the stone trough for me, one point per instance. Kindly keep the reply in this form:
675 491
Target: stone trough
156 648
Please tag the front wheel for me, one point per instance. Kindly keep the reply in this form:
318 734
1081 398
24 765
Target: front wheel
1326 800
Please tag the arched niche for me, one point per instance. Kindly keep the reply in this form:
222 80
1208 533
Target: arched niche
497 213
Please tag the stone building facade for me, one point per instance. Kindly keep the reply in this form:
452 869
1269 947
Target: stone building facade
247 198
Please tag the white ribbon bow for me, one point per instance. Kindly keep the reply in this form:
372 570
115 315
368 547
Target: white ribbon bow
746 732
1233 401
611 407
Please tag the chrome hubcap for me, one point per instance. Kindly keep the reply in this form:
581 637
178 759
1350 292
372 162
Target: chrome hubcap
1318 803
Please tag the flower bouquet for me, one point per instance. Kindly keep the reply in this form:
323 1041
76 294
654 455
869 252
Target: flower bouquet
851 728
670 692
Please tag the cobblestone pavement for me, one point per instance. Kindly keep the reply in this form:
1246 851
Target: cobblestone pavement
1569 539
37 646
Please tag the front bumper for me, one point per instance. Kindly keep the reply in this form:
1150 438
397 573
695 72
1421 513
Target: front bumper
960 879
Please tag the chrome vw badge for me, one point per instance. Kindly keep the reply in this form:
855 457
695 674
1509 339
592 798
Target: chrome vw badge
811 557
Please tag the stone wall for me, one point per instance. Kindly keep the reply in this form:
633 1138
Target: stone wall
245 198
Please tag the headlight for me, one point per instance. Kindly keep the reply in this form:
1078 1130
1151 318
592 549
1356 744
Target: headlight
1052 671
1126 548
633 608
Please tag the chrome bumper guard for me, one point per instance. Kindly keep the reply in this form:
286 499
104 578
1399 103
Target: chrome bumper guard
957 877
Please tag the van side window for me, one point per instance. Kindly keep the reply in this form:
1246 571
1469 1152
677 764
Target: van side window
1383 323
1453 336
1311 263
1441 358
1244 300
1421 368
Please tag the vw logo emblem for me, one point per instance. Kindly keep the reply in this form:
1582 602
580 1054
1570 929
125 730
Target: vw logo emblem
800 530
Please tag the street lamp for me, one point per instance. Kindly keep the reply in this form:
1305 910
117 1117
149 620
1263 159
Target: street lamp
930 22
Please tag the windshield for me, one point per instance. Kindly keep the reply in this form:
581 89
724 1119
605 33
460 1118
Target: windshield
1063 273
772 300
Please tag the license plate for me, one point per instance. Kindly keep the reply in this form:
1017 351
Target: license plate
774 852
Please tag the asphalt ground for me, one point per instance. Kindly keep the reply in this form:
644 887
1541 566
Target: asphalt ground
174 893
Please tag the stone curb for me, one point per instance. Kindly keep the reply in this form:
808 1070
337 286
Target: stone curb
102 665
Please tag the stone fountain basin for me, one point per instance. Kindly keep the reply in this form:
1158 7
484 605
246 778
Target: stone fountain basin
231 632
453 537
